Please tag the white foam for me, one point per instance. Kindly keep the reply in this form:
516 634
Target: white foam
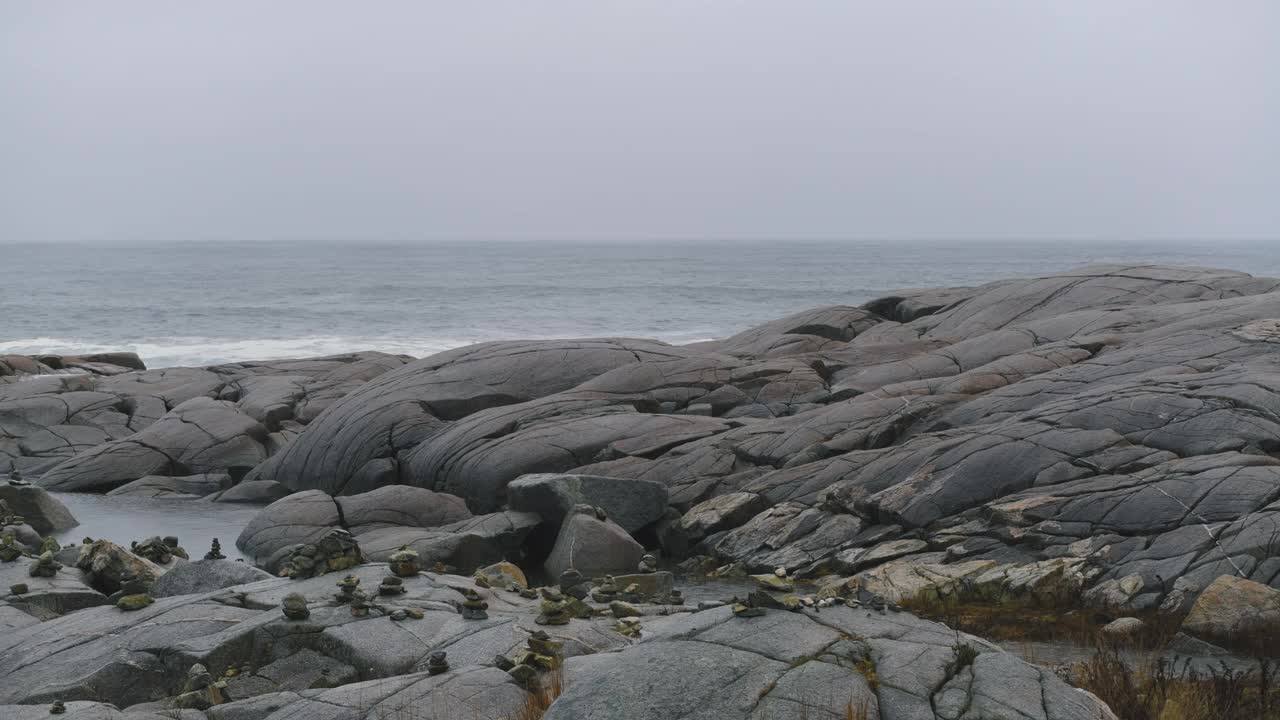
201 351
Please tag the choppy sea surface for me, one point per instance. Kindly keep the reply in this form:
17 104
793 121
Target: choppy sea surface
205 303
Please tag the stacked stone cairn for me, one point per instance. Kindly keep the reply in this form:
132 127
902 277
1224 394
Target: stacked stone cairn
334 552
540 654
201 691
349 593
134 592
574 585
554 609
45 566
473 606
648 564
404 562
294 607
606 592
215 551
8 516
158 550
437 663
9 550
391 585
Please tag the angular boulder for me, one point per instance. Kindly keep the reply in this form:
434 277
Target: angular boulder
106 565
631 503
593 546
43 512
723 512
1234 611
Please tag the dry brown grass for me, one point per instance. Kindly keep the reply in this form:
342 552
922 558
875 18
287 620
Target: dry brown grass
539 701
856 712
1031 622
1152 689
1157 690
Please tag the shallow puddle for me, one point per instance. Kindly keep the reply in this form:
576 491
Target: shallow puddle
123 520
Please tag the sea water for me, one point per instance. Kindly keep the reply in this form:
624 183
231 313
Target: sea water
203 303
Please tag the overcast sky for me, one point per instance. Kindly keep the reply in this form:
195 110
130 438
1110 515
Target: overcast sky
663 119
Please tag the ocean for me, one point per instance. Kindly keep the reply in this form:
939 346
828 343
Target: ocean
205 303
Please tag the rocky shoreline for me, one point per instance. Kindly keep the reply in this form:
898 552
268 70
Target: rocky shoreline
1106 439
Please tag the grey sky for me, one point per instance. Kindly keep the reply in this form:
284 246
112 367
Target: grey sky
596 119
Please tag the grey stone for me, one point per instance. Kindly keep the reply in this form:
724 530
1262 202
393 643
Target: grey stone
466 544
160 486
204 576
400 506
723 512
294 520
592 546
254 491
630 503
1235 611
804 332
43 512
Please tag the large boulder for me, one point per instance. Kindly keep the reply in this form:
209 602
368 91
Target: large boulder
631 503
106 565
294 520
304 517
593 545
43 512
205 576
1236 612
400 505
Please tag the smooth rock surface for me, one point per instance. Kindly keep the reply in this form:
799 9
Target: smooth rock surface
203 576
161 486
